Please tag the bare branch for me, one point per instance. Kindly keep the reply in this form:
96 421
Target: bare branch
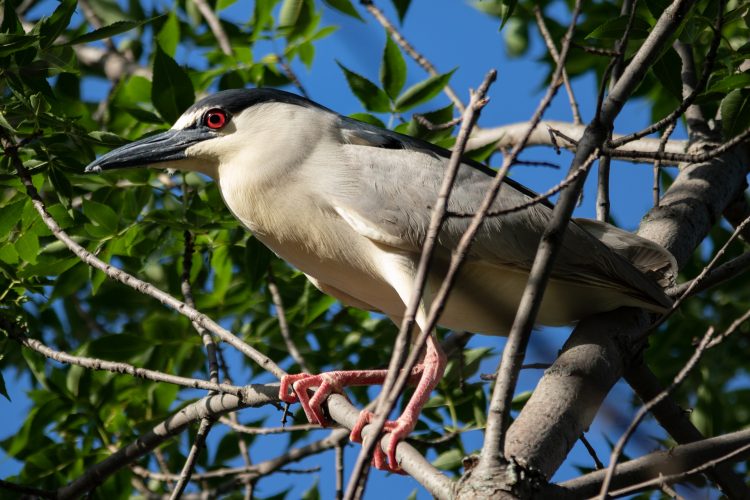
547 37
283 324
615 66
262 431
507 136
703 274
187 469
725 272
592 452
215 25
17 334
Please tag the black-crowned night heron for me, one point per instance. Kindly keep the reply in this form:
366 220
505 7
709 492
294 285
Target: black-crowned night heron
349 204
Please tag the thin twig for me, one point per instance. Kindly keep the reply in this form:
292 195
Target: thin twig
422 120
657 163
680 157
410 50
199 443
675 478
616 65
339 470
592 452
599 51
699 279
725 272
547 37
286 335
215 25
206 424
17 333
262 431
286 68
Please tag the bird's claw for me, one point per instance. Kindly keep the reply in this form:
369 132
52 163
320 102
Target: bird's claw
398 430
294 388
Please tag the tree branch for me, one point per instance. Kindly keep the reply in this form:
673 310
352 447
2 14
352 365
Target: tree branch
16 333
507 136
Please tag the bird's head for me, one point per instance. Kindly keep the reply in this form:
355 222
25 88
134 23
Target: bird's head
225 129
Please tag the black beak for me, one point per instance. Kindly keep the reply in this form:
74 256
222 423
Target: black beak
167 146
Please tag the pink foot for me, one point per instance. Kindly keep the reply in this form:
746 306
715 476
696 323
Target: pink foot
295 388
399 430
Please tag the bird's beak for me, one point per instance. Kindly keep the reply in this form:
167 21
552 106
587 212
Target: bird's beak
168 146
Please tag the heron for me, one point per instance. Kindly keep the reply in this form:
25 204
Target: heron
349 204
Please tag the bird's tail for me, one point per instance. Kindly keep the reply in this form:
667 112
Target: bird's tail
650 258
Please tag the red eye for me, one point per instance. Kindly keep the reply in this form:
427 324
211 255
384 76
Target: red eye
215 119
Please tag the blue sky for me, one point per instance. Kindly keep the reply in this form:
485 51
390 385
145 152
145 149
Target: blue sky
452 35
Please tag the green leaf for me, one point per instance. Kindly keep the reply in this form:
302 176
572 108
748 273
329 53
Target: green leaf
10 215
13 43
509 6
53 27
735 112
109 31
312 493
665 70
27 247
392 68
3 389
401 7
171 90
613 29
290 11
449 460
169 34
423 91
120 347
732 82
368 118
344 6
101 215
371 97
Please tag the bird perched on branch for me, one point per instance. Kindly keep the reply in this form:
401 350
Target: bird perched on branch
349 204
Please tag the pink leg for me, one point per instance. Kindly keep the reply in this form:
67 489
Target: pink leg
432 369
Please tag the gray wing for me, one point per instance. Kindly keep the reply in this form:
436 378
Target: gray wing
396 181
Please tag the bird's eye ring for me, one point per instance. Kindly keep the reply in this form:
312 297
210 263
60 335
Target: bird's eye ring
215 119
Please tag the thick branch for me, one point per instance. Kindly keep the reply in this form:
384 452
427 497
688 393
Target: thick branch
507 136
